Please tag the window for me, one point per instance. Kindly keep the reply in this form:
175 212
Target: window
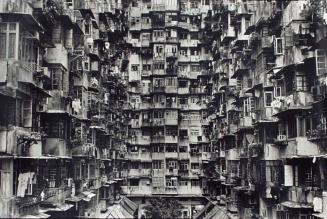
184 166
194 36
194 132
27 113
195 166
8 40
195 68
158 148
301 83
56 79
134 149
171 81
69 3
135 67
277 92
135 35
87 27
159 66
195 183
183 183
183 36
278 46
194 52
194 4
157 164
268 99
183 52
171 131
172 164
182 68
292 128
146 67
171 182
321 62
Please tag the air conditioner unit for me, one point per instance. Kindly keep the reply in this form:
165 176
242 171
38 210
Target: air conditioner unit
281 137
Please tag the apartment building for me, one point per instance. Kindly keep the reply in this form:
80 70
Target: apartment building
169 87
268 122
62 88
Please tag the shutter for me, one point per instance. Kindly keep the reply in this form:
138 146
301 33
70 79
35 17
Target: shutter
288 175
321 62
27 113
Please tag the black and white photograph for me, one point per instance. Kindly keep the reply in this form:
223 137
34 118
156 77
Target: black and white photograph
163 109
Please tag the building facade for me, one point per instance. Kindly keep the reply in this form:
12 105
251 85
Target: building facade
268 108
169 88
220 104
62 88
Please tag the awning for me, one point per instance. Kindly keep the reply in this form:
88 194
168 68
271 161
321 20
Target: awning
128 205
217 212
88 196
320 215
38 158
38 215
290 204
125 209
74 199
202 211
56 207
117 211
36 88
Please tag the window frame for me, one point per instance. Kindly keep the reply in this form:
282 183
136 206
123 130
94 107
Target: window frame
7 33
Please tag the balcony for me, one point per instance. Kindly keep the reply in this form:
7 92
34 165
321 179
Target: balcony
158 7
206 156
57 103
233 154
18 6
317 134
158 89
172 40
139 173
158 122
171 155
244 153
139 156
228 35
136 190
158 139
296 101
184 58
139 140
183 155
86 150
172 172
171 121
158 172
299 146
171 139
171 89
262 115
189 43
183 90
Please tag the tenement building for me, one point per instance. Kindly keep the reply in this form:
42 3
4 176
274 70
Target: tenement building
219 105
61 90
